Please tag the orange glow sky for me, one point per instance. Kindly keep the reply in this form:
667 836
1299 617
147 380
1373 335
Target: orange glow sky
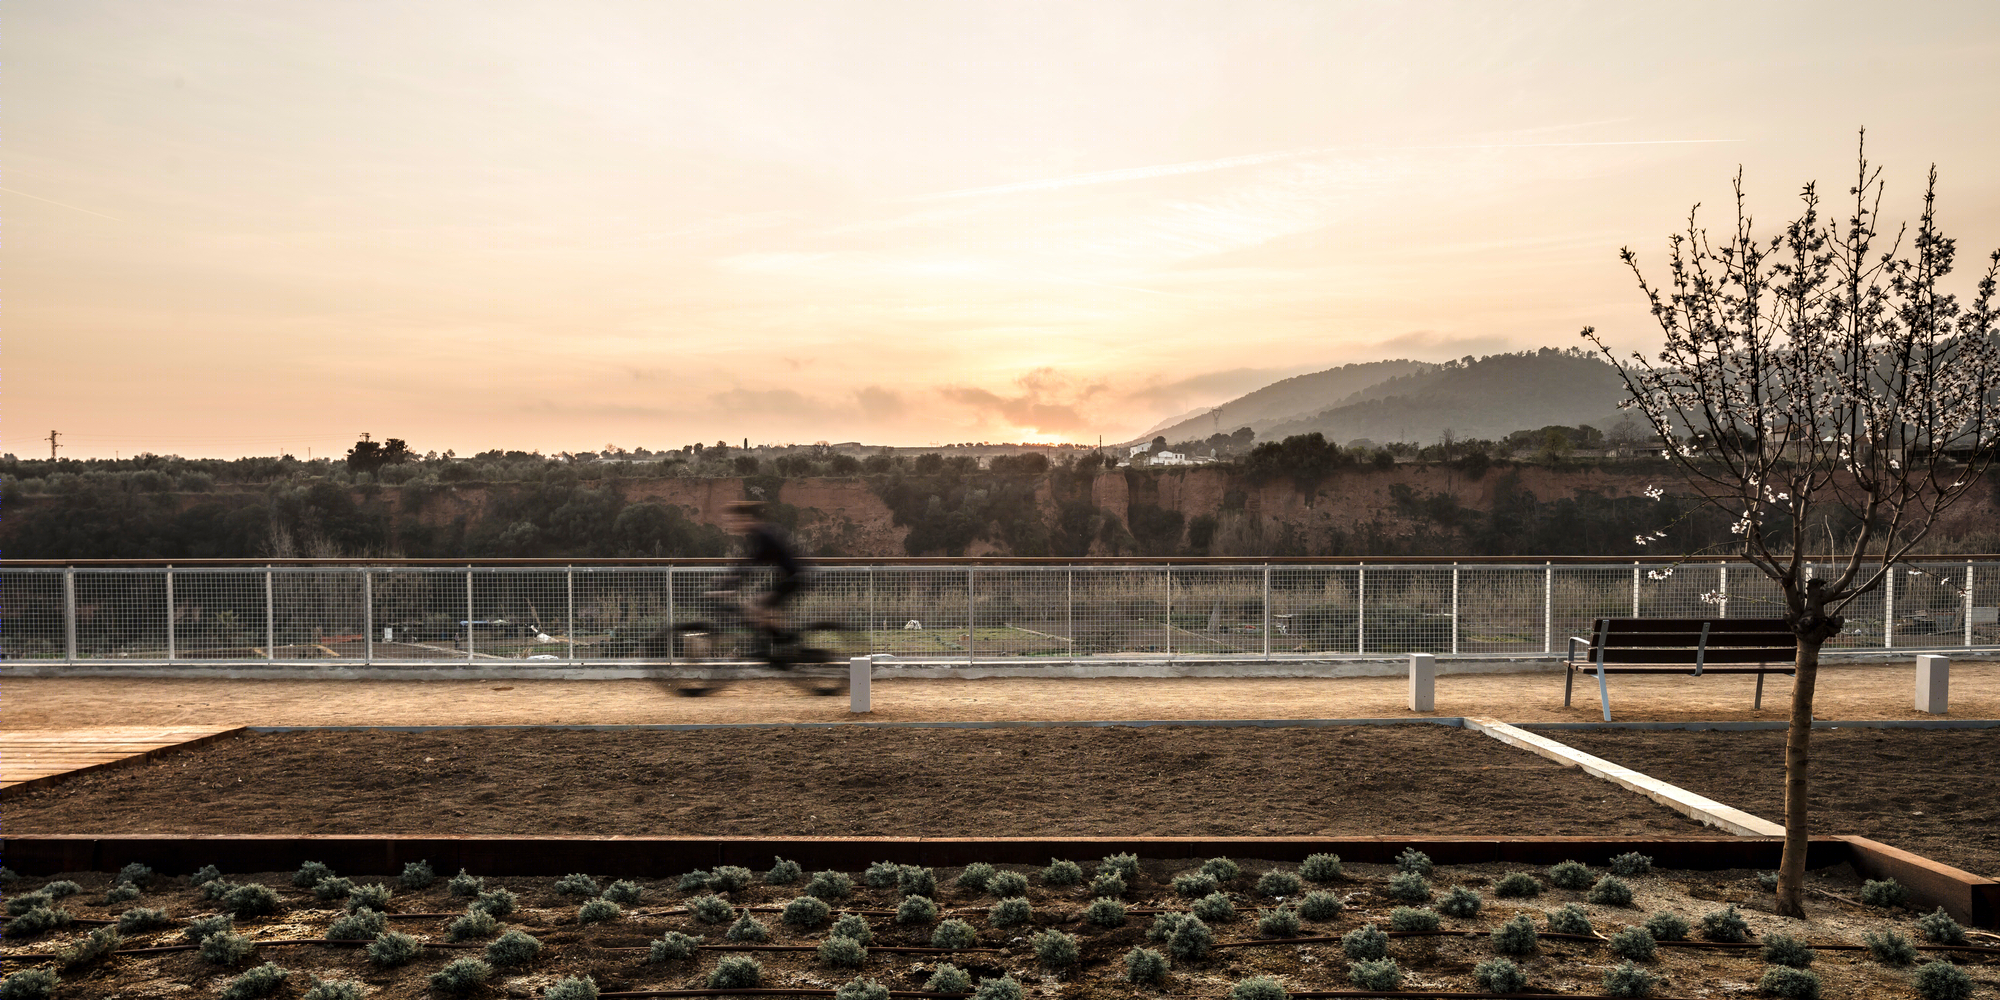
238 228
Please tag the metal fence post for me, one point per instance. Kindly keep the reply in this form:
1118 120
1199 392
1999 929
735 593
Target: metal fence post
270 617
971 622
69 614
670 615
1722 589
1635 588
1170 611
468 615
170 614
873 625
569 607
1069 611
1266 629
1889 608
1454 608
367 618
1361 609
1968 603
1548 607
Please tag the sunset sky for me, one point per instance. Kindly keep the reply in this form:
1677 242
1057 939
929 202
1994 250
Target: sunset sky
249 227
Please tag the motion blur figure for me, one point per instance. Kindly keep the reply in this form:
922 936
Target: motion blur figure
765 545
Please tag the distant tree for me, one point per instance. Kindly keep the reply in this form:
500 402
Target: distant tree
1159 443
366 456
1819 327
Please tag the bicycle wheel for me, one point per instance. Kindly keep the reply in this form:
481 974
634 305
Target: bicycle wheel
819 660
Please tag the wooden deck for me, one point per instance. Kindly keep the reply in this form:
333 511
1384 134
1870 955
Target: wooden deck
31 758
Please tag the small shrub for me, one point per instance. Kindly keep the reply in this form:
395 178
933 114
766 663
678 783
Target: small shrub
1627 980
882 874
1937 927
1191 940
575 988
747 928
1518 885
499 902
852 925
1569 920
1003 988
476 923
1890 947
1460 902
730 878
1214 908
830 885
8 876
1258 988
204 875
1125 866
1942 981
123 892
1725 925
1634 944
1784 949
1060 873
805 912
1164 924
17 905
38 921
333 887
736 972
916 910
1790 983
973 877
463 884
311 874
1144 965
948 978
461 977
954 934
843 952
1056 950
1221 869
625 892
1632 863
1413 860
225 948
254 900
361 925
1365 943
673 946
393 948
1321 868
1516 937
711 909
861 989
374 897
1667 927
1004 884
417 875
1280 884
1410 887
29 984
1379 974
784 873
1282 922
694 881
62 889
1768 881
138 920
1611 891
135 873
333 989
514 948
1104 912
1498 975
1319 905
201 928
1010 912
1569 875
914 880
261 981
1108 884
1408 919
598 911
1886 893
577 884
100 943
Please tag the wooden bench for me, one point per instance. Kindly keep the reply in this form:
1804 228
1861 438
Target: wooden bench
1674 645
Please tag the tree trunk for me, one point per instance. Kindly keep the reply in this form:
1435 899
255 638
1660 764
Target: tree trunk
1798 741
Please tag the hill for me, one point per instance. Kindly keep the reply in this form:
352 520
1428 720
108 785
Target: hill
1488 398
1292 399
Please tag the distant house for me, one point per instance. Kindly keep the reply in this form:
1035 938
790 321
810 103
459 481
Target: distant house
1171 458
1139 449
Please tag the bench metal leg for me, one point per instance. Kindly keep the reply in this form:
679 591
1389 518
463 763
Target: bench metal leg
1569 681
1759 704
1603 694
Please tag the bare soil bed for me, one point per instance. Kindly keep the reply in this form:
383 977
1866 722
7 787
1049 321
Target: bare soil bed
852 781
615 954
1932 791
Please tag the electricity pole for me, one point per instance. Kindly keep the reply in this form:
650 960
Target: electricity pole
52 444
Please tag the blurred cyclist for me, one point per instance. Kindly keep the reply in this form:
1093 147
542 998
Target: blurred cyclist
764 544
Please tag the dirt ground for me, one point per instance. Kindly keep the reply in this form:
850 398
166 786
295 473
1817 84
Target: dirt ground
1934 792
1871 691
1157 781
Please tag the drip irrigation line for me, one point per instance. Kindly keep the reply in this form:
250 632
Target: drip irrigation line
772 992
886 949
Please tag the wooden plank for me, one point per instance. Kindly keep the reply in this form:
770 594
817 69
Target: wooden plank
1693 624
1689 640
31 759
1734 654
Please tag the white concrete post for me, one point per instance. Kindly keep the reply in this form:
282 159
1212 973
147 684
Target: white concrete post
1933 683
1423 682
860 670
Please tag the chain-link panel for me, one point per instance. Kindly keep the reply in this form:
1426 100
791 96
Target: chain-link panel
1501 609
1022 614
1407 609
418 613
1314 610
1120 612
220 614
37 620
121 614
1579 595
316 614
921 612
1217 612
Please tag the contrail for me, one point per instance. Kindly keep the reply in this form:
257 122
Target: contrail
1254 159
58 204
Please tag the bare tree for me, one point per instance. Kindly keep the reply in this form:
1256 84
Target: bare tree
1814 375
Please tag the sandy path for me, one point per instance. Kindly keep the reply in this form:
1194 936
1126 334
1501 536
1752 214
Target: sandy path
1877 691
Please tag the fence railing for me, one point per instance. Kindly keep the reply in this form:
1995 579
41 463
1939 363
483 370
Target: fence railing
413 614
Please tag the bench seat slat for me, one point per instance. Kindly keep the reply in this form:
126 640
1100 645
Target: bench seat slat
1731 654
1694 625
1686 669
1629 640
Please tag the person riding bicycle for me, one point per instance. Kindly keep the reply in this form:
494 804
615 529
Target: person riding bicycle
764 544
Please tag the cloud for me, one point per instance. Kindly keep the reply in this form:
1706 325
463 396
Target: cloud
1430 345
1049 402
1209 387
881 404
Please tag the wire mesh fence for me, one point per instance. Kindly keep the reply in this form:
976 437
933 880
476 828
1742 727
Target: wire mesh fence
967 613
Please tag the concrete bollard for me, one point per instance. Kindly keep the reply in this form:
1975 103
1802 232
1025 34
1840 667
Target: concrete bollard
860 670
1423 682
1933 683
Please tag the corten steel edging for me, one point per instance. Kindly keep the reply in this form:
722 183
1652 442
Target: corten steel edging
1967 897
940 561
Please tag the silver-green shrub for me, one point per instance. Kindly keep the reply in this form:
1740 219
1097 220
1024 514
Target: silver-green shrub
1223 869
624 891
711 909
333 887
1942 981
861 989
1885 893
576 884
393 948
730 878
476 923
333 989
1631 863
673 946
1191 940
852 925
499 902
694 881
1010 912
1104 912
1460 902
1056 950
1667 926
954 934
361 925
123 892
1628 980
1321 868
1214 908
417 875
261 981
1164 924
1194 885
225 948
374 897
1611 891
1278 883
1320 905
200 928
914 880
948 978
1107 884
514 948
843 952
39 920
1518 885
1570 919
254 900
747 928
784 873
1570 875
1125 866
462 976
1412 919
139 920
1634 944
1725 925
1890 947
1516 937
1379 974
973 877
804 912
597 911
1364 943
1789 983
204 875
1003 988
1938 927
916 910
135 873
830 885
464 884
61 889
311 874
99 943
1005 883
1784 949
1410 887
572 988
1413 860
29 984
1280 922
882 874
1258 988
1498 975
1060 873
17 905
736 972
1144 965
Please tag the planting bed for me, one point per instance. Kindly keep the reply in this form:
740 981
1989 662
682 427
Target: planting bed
1935 792
850 781
615 954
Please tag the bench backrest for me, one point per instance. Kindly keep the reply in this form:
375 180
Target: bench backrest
1680 640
